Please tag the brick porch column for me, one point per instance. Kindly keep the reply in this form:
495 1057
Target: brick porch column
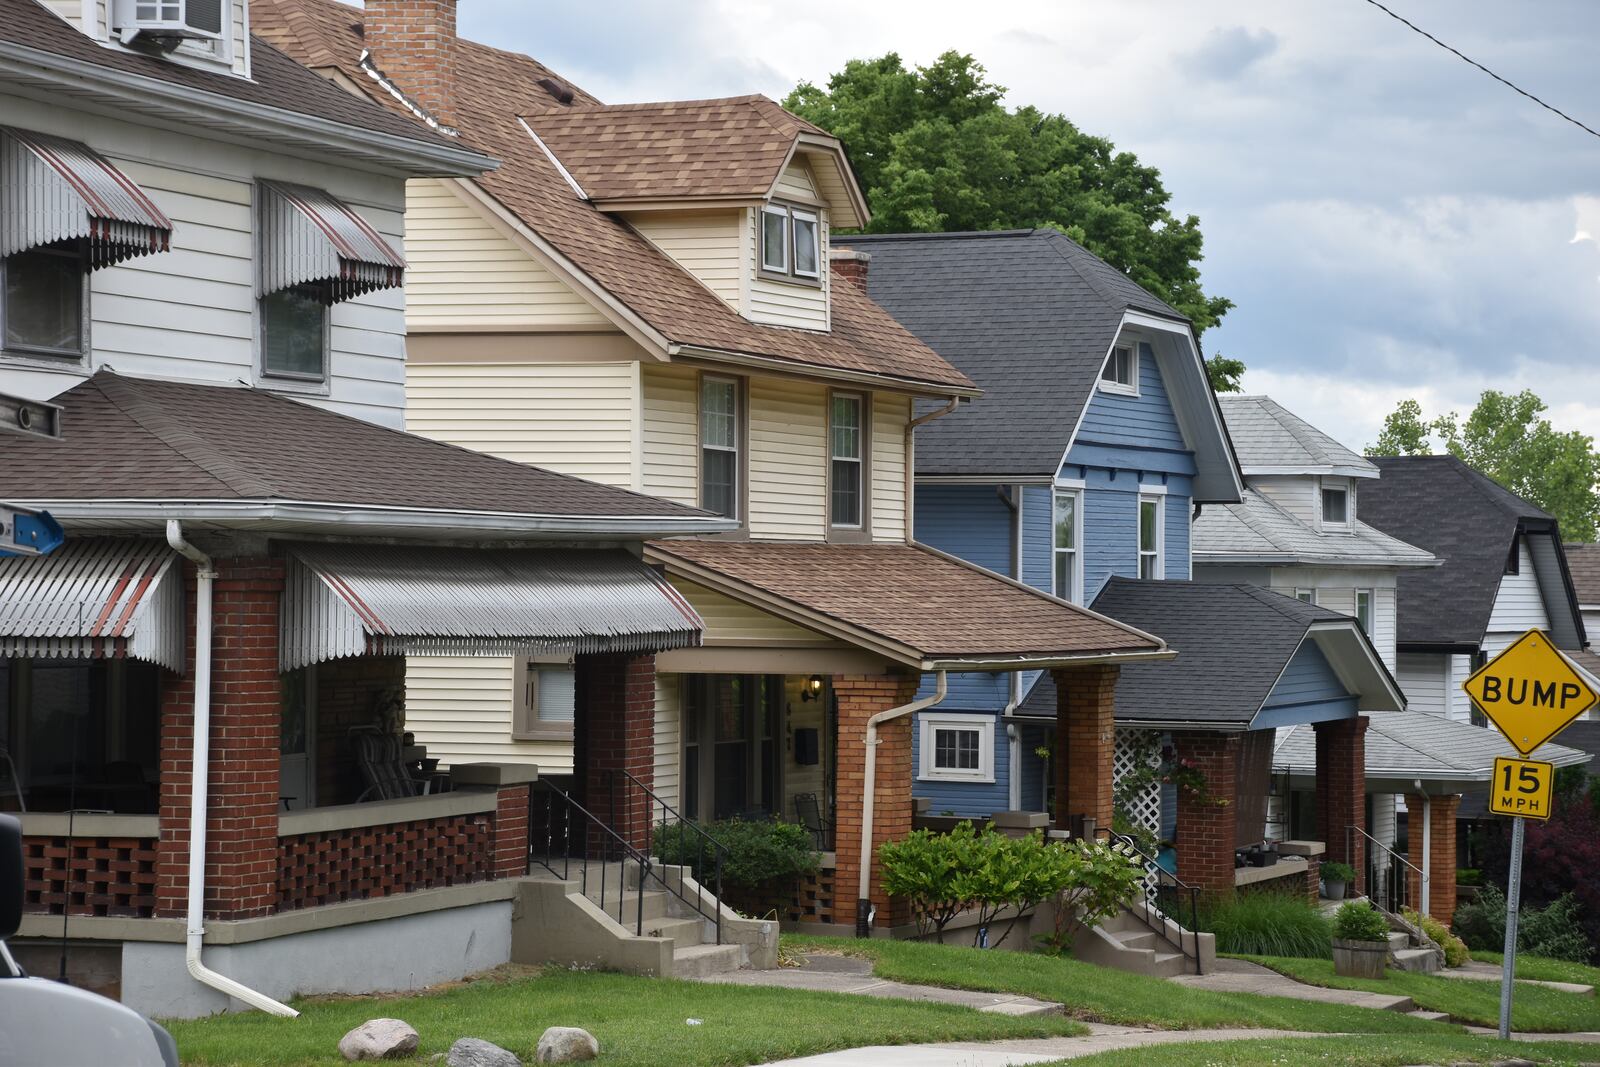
1086 742
511 831
1208 832
1342 791
859 697
246 709
1442 843
615 732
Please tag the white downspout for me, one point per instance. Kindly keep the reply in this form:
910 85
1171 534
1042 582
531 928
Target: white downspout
200 773
1013 734
1427 847
864 884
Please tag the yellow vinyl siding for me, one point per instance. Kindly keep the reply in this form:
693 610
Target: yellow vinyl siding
783 303
576 418
462 272
670 464
795 183
460 708
704 244
732 622
889 416
788 460
668 740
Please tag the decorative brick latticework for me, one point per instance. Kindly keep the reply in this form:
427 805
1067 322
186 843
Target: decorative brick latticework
89 876
1441 817
413 43
367 862
1342 792
1208 825
246 708
615 731
859 698
1086 732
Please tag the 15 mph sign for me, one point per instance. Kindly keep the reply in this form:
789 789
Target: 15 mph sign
1530 691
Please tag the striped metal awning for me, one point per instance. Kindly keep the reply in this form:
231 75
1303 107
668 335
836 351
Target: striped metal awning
53 189
351 600
310 237
95 597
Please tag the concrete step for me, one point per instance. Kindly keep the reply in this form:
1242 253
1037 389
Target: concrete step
698 961
1420 960
684 933
655 905
1431 1016
1135 938
1171 964
1399 942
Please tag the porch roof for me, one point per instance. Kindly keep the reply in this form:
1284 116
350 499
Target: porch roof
908 602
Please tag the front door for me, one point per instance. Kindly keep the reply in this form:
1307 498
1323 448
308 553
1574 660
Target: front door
297 780
730 758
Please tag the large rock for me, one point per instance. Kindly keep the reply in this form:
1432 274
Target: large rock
379 1039
566 1044
475 1052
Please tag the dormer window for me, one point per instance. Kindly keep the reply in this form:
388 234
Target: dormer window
791 242
1121 373
1335 506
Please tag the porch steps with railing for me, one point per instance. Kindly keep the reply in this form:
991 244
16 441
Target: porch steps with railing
1126 942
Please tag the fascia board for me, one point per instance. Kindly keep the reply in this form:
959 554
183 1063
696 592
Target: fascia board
777 365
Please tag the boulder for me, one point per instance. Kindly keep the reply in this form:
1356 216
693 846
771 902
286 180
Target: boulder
379 1039
475 1052
566 1044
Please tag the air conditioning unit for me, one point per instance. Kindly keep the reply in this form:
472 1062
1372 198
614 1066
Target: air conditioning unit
169 20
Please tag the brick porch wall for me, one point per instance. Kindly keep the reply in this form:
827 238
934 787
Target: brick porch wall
1208 832
1442 842
1342 791
1086 733
859 698
615 731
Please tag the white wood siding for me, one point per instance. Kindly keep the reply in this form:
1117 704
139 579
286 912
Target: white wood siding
72 11
463 272
733 622
795 183
788 460
668 737
460 707
704 244
1296 495
576 418
1518 607
670 464
1422 676
1385 624
190 313
781 303
890 414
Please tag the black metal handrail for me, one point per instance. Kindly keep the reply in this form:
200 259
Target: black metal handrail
1389 875
639 806
1158 878
559 847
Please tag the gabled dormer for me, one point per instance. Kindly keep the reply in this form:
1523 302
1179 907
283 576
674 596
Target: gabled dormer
1295 465
740 193
208 34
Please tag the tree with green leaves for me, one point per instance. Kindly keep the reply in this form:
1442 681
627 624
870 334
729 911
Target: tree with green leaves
1508 438
1225 373
936 149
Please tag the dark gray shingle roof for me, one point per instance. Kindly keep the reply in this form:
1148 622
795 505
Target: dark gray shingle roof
1027 314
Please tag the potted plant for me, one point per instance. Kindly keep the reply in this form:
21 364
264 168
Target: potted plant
1360 941
1335 876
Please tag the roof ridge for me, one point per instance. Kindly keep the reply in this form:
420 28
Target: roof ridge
1297 427
1475 478
133 402
1270 598
935 235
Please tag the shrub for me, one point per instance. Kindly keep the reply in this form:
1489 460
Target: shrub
1268 924
1469 876
1554 931
1356 921
758 852
1560 856
1096 881
1456 952
1338 872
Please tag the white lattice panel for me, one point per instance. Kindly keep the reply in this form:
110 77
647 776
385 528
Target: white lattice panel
1144 808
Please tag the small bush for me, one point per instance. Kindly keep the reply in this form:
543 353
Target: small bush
758 852
1456 952
1554 931
1268 924
1469 876
1356 921
1338 872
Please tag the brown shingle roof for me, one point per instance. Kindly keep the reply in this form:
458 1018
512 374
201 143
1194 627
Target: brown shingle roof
1584 563
141 439
689 148
496 90
932 604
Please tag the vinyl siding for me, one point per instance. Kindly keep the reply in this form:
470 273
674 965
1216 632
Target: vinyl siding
704 244
1336 590
781 303
1144 421
463 272
1038 537
788 464
671 434
1175 549
970 521
795 183
1110 537
1294 494
1518 607
668 737
1308 690
576 418
966 799
1422 678
460 708
890 414
732 622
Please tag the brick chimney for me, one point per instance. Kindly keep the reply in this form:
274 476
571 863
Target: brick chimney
413 44
850 265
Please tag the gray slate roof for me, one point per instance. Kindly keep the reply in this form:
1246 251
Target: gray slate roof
1256 530
1028 314
1463 517
1270 439
1406 745
1233 642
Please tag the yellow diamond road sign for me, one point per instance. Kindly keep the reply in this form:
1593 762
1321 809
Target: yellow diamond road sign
1530 691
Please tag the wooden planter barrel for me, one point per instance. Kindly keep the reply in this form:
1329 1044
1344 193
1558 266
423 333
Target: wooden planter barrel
1359 959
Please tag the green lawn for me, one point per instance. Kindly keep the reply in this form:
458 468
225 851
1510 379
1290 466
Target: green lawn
1103 995
1387 1051
1543 969
1534 1009
638 1021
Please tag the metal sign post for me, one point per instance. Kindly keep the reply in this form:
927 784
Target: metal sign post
1508 963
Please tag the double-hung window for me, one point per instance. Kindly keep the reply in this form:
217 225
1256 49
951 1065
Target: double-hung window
546 700
719 446
294 333
1151 535
1121 372
955 747
1065 542
791 242
847 459
42 295
1364 610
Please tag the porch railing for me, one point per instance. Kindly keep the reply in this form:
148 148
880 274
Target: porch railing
643 811
1389 874
568 841
1164 895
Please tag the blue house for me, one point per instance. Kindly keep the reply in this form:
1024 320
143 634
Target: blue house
1096 443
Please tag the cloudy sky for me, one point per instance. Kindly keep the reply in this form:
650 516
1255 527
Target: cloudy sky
1390 222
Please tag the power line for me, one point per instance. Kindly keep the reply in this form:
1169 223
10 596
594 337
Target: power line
1456 52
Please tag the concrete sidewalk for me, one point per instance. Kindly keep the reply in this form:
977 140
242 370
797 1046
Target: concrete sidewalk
1241 976
847 974
1478 971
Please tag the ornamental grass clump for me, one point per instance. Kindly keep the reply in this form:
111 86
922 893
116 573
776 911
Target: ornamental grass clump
1268 924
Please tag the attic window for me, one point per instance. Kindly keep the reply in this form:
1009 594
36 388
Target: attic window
1121 373
1335 506
791 243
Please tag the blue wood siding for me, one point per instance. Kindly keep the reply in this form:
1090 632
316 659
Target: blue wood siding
970 521
970 800
978 691
1038 536
1179 509
1144 421
1033 767
1308 691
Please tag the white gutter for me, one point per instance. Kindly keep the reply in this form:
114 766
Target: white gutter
864 907
199 775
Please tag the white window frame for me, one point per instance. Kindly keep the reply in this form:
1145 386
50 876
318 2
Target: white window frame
1112 385
527 724
1372 607
737 500
859 459
796 214
1306 596
782 212
1160 551
1349 504
1077 543
46 357
928 725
